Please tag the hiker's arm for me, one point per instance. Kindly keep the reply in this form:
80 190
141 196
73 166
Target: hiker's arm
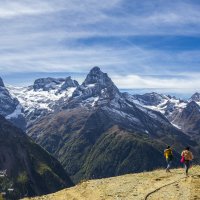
182 154
192 157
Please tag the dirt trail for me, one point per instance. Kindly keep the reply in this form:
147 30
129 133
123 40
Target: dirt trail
186 188
169 186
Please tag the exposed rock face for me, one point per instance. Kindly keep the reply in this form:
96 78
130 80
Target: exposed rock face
47 84
185 115
191 108
189 119
195 97
32 170
96 84
1 83
8 103
69 83
10 107
165 104
103 133
151 99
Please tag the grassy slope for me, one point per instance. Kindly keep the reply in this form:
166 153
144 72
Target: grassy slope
136 186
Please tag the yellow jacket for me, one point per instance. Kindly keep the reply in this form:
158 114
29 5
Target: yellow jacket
167 153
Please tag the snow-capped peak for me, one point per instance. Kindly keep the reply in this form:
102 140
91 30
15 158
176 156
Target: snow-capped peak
159 102
47 84
45 96
151 99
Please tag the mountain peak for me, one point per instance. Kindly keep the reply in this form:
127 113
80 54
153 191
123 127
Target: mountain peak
1 83
49 83
97 83
192 107
195 97
193 104
96 68
96 76
69 83
150 99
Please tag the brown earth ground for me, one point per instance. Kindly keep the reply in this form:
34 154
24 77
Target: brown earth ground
156 185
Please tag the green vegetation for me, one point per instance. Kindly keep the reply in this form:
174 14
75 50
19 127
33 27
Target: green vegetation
22 178
31 170
5 185
43 168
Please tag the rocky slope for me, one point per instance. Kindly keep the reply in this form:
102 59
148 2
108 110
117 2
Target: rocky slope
101 132
189 119
182 114
165 104
10 107
30 168
154 185
195 97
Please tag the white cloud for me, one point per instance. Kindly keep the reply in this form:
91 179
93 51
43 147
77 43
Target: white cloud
11 9
135 81
81 58
44 36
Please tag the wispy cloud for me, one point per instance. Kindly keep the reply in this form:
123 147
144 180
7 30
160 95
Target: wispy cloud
12 9
53 35
190 82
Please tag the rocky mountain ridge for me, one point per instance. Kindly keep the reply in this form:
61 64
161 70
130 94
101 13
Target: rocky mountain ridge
182 114
49 94
10 107
87 126
45 96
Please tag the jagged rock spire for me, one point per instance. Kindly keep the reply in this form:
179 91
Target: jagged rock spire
1 83
96 76
69 83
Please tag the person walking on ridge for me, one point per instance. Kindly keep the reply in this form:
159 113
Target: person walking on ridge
169 157
187 157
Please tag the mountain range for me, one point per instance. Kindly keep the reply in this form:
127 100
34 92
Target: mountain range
185 115
97 131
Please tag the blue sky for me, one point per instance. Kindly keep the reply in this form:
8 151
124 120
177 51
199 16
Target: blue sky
140 44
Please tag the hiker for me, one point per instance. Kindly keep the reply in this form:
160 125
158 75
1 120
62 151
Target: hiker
187 157
169 157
